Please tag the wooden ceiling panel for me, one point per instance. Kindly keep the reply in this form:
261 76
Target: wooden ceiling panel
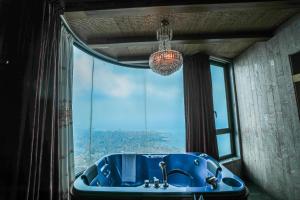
182 23
225 49
220 32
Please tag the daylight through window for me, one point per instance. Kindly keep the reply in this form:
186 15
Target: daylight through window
119 109
221 104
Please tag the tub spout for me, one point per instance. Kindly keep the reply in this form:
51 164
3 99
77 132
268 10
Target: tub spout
163 167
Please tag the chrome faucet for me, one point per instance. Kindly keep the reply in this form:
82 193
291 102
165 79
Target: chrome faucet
163 167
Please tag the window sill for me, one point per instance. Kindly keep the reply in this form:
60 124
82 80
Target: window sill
230 160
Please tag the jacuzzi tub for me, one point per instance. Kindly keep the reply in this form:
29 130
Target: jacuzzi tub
123 176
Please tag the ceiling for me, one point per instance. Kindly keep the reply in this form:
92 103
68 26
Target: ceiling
127 31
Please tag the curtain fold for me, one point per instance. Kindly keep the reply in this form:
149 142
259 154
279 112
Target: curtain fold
44 168
65 129
199 112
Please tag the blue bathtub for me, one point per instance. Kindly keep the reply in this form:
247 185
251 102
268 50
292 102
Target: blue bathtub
131 176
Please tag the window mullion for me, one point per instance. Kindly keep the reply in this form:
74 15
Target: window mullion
223 131
91 114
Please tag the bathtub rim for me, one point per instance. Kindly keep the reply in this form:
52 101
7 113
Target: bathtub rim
79 188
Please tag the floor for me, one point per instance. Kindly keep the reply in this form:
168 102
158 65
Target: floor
257 193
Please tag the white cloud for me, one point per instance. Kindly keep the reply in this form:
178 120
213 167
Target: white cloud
83 72
112 84
166 93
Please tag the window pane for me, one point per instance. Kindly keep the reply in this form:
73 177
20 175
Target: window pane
219 97
135 111
82 88
165 112
118 110
224 144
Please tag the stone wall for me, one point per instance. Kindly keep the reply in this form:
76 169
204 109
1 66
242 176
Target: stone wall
269 122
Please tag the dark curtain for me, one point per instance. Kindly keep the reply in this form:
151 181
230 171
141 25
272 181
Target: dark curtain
200 123
9 105
35 33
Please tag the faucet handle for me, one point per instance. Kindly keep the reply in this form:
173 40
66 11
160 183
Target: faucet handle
156 182
146 183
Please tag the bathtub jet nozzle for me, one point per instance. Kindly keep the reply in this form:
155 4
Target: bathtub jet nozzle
163 167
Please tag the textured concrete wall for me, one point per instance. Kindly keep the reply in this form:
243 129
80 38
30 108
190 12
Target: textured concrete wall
270 127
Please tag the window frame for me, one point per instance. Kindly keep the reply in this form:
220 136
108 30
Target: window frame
230 97
230 130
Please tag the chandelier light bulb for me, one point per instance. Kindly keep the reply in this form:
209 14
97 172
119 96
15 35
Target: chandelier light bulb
165 61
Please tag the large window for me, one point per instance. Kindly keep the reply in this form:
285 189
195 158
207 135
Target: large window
222 109
119 109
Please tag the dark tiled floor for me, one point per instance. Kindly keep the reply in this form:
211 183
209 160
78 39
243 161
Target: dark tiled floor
257 193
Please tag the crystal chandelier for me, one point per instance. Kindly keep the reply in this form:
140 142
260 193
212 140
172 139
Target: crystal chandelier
165 61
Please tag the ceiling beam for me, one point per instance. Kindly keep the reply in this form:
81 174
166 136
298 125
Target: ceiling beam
143 59
117 7
103 42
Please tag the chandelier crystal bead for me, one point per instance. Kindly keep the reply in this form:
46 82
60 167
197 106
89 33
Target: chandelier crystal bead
165 61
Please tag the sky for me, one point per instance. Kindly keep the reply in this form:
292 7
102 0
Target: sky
125 98
219 94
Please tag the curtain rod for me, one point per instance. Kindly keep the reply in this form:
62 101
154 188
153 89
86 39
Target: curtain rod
85 47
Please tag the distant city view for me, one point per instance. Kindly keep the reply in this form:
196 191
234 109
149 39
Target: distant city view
121 109
107 142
